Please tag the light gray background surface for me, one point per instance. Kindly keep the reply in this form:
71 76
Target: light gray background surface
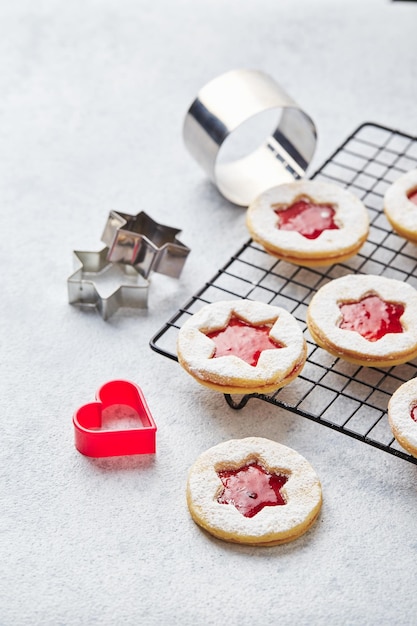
92 99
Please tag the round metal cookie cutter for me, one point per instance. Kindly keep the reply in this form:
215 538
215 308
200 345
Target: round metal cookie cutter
236 105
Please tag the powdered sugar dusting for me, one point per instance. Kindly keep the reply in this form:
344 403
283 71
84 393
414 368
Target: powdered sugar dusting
350 215
324 314
400 405
195 349
302 491
397 206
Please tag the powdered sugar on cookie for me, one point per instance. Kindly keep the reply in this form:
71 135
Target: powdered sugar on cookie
272 524
401 417
324 319
274 367
400 205
349 229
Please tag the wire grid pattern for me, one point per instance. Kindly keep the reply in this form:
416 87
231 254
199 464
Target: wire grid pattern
332 392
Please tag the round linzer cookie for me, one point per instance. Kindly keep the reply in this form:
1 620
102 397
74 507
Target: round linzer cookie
365 319
242 346
308 222
402 415
253 491
400 205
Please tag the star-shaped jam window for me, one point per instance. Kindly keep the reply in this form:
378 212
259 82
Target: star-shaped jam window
243 340
412 195
372 317
306 217
251 488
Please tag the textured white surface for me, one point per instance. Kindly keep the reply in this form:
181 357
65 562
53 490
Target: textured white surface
93 96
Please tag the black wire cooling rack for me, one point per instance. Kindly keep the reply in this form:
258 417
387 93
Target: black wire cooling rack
350 399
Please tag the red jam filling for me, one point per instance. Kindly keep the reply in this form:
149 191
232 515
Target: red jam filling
413 196
307 218
413 413
242 340
372 317
250 488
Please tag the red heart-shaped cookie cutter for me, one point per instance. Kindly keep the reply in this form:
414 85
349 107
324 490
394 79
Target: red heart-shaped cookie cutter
93 440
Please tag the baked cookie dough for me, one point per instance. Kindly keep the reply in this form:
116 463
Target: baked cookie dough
253 491
308 223
365 319
400 205
242 346
402 415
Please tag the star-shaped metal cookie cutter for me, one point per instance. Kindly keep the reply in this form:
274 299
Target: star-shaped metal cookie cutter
97 283
139 241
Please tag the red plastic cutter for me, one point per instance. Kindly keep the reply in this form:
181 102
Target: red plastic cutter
93 440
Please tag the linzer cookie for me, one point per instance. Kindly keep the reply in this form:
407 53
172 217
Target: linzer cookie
365 319
253 491
400 205
402 415
242 346
309 223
